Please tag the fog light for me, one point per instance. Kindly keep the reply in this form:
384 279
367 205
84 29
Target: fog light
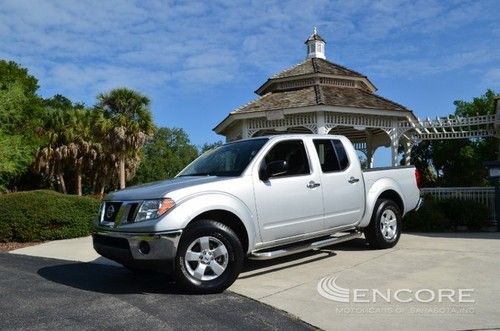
144 247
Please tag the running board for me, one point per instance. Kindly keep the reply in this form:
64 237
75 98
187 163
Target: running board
289 250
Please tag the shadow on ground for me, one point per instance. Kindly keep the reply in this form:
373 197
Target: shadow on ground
109 279
269 266
49 294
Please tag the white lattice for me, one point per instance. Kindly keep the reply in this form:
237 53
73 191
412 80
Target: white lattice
453 128
306 120
360 146
347 119
412 131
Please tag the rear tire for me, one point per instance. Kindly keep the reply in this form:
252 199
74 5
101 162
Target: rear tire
384 229
209 257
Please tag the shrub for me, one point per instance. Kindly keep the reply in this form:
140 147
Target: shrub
427 219
447 215
45 215
466 213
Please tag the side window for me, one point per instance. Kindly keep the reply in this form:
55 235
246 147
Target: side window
326 154
294 153
341 154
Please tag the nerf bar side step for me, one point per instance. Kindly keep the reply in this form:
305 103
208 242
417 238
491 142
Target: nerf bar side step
279 252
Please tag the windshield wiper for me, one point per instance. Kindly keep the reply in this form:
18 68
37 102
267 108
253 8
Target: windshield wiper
197 174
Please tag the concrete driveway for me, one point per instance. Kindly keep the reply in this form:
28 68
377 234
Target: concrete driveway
430 264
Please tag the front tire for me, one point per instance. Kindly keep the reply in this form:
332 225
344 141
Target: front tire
385 226
209 257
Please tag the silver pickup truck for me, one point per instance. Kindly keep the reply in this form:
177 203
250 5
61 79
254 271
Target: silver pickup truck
258 198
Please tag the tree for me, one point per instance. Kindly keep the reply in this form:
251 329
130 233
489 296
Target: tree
51 157
82 149
209 146
69 146
15 157
167 153
458 162
124 123
20 110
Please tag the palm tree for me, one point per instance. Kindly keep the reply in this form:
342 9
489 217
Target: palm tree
69 142
125 123
78 136
51 158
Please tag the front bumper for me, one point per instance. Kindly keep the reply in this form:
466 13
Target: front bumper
130 250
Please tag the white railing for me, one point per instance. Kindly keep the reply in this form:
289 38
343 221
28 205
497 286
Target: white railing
484 195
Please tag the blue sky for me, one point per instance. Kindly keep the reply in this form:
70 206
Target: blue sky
198 60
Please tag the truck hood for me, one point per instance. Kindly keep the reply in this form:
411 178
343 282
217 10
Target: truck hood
159 189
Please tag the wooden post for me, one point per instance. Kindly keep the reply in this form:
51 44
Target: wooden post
320 122
369 149
407 152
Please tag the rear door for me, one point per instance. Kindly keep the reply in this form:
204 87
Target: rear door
342 183
290 204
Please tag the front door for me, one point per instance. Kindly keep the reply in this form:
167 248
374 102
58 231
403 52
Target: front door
290 203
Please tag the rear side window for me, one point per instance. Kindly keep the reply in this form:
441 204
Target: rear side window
294 153
327 156
331 154
341 154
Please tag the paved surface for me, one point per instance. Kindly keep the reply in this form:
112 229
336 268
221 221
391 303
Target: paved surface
47 294
420 261
78 249
449 261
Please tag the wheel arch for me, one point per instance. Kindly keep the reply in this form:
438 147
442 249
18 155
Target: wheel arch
229 219
384 188
393 196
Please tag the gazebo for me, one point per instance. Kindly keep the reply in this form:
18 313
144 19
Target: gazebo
321 97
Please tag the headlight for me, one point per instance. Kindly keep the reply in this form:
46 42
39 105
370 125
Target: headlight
151 209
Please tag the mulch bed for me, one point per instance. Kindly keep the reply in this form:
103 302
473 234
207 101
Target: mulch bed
5 247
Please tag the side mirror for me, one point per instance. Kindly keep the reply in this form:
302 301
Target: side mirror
273 169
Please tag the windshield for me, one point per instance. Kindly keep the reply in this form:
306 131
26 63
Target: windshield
227 160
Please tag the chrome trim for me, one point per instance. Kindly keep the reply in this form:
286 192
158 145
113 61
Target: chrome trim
163 244
256 255
307 236
122 214
419 203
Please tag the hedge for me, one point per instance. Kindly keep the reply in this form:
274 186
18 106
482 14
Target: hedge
447 215
45 215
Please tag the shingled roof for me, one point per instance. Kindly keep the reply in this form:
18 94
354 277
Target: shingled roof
315 36
316 82
320 95
317 65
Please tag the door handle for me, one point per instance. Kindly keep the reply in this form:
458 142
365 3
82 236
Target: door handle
313 184
353 180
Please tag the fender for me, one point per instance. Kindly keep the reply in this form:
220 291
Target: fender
193 205
379 187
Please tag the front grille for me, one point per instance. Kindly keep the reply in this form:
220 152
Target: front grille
110 211
111 241
119 212
132 211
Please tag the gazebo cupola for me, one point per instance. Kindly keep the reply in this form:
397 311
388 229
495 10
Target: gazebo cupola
318 96
315 46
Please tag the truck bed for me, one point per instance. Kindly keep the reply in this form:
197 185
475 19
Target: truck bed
402 177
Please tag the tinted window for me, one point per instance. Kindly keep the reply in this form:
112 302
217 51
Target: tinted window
227 160
327 156
294 153
341 154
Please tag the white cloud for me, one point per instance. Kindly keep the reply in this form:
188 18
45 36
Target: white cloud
82 46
